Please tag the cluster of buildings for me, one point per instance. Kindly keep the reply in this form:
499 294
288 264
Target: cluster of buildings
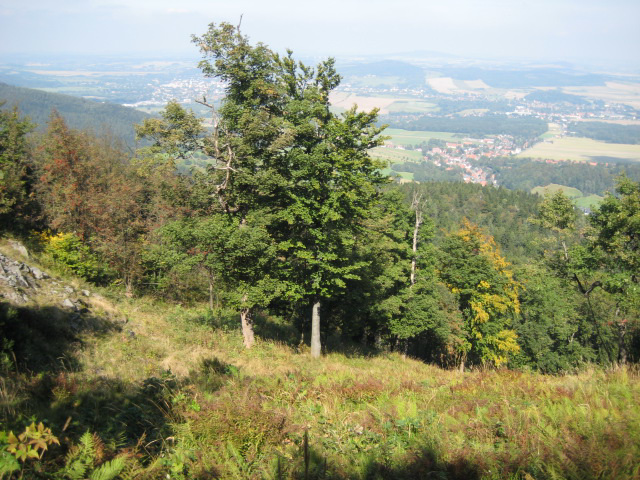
465 154
184 90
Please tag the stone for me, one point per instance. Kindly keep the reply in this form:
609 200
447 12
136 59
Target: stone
86 293
38 274
21 281
18 247
68 304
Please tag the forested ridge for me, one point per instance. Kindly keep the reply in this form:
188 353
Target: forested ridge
292 224
79 113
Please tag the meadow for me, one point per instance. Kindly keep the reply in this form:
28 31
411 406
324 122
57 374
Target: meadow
416 137
393 155
578 198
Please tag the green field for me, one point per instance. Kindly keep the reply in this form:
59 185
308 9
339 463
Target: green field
554 187
581 150
412 106
411 137
553 132
574 194
588 201
393 155
392 173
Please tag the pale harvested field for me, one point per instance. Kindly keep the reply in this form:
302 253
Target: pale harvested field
449 85
442 84
580 150
476 85
604 120
626 93
365 104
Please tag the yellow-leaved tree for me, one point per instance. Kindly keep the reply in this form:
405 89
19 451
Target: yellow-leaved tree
475 272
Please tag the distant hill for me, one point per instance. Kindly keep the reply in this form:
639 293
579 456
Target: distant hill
78 112
555 96
405 73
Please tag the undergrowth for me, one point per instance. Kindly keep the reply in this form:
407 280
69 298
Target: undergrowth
152 390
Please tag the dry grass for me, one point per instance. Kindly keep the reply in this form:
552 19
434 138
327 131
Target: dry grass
580 150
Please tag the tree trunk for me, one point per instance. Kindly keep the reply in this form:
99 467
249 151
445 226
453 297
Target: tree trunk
128 284
316 347
404 345
461 368
247 327
622 332
211 292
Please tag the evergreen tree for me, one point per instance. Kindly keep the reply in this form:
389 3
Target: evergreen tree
14 183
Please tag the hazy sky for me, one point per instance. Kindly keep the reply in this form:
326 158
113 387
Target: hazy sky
570 30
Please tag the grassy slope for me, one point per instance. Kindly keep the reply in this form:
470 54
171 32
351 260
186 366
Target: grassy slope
576 195
209 409
415 137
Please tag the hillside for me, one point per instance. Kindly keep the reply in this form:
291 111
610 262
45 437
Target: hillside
186 400
79 113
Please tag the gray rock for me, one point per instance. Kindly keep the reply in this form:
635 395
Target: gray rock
38 274
68 289
15 297
18 247
21 281
68 304
86 293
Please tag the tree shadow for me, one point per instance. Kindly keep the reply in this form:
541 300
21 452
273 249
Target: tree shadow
272 328
423 464
44 339
42 381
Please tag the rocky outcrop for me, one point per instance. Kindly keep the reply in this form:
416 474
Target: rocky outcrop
21 283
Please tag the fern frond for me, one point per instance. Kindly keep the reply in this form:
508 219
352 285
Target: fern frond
109 470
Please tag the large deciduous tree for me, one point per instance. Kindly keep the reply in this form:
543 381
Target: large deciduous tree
280 150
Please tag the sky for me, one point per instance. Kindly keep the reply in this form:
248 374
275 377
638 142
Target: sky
576 31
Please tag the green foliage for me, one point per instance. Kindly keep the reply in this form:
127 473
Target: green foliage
606 132
68 251
552 332
497 124
525 174
178 132
80 113
472 267
15 451
555 96
556 212
83 461
14 187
